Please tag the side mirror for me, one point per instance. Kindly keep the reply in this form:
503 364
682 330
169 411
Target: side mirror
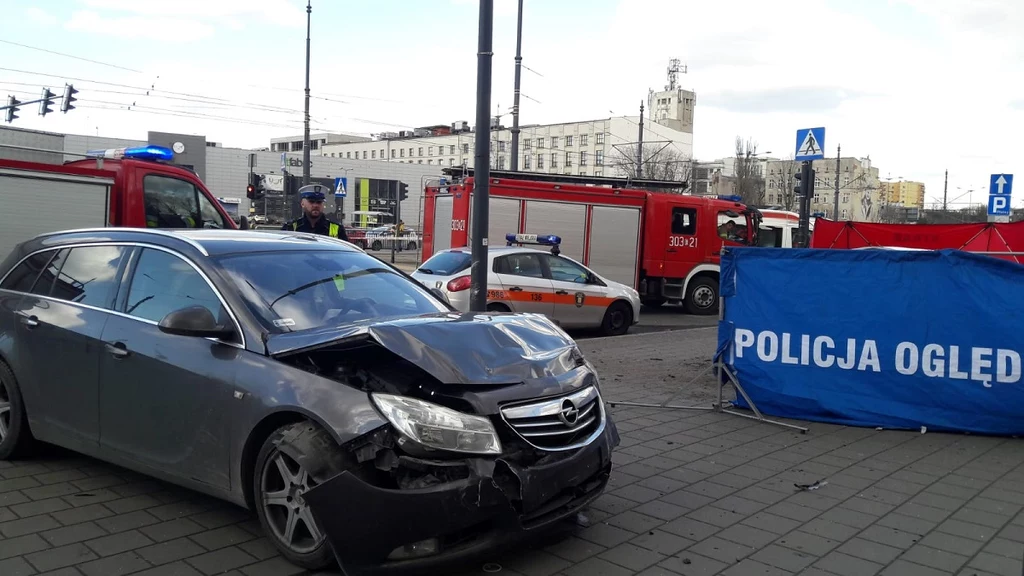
243 223
440 295
196 321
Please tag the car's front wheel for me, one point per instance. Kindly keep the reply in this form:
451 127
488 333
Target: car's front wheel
617 319
280 486
15 436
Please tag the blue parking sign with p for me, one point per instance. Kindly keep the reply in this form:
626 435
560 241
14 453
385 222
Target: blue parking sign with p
341 187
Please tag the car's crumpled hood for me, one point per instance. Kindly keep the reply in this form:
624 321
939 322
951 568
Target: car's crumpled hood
457 348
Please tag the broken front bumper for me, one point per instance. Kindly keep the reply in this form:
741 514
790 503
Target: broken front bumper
378 530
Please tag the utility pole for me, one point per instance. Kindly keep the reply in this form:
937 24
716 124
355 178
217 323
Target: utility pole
305 139
515 104
839 162
482 171
640 145
945 191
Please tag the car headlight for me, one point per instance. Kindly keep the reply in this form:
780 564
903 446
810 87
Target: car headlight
438 427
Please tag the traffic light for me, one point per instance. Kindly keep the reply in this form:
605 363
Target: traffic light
46 102
403 191
69 97
12 107
252 189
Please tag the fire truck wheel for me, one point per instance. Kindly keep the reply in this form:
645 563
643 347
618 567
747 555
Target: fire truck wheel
617 319
702 296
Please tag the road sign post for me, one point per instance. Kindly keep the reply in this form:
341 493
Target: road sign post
810 146
1000 192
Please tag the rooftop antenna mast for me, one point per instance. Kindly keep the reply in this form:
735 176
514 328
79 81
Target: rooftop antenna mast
675 67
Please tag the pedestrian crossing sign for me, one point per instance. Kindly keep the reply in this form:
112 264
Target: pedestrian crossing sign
810 144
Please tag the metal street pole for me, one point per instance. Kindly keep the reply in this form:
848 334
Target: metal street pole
515 103
305 139
839 161
640 145
482 172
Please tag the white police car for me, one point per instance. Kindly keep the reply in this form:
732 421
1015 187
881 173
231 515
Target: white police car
527 280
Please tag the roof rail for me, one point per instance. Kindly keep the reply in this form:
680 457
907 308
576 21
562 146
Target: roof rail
156 231
606 181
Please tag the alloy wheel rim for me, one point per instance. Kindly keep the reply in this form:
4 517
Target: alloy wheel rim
703 297
5 411
284 484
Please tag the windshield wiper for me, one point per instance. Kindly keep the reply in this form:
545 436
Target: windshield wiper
295 291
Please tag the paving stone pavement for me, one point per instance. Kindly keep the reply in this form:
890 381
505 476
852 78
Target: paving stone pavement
692 493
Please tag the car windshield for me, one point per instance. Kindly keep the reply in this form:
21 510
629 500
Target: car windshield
292 291
447 263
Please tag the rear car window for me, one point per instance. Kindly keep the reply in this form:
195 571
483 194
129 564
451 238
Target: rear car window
24 275
447 263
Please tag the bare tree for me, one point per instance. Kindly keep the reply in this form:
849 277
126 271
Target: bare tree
748 177
660 162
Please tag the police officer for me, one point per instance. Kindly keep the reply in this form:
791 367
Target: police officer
313 219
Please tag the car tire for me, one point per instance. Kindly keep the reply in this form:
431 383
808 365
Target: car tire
411 246
277 497
617 319
15 436
702 296
497 307
376 245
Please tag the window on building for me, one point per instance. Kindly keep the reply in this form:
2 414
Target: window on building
451 161
451 149
554 160
314 145
846 214
392 153
599 158
373 154
419 161
828 182
402 152
540 161
430 150
411 152
845 198
568 141
465 149
583 158
526 162
568 159
382 153
348 155
501 146
364 154
527 144
600 138
554 141
817 182
431 161
598 173
583 139
421 151
846 181
501 162
540 142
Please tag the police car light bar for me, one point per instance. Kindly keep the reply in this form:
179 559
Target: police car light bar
136 153
542 239
732 198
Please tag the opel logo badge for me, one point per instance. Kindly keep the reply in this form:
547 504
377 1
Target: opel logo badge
569 413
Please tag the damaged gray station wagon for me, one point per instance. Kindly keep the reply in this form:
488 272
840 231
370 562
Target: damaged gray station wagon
359 415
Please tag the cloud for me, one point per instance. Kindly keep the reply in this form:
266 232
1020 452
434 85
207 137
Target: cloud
791 99
1017 104
41 17
165 29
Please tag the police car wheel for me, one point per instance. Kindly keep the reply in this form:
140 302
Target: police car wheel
376 245
15 436
702 296
617 319
496 307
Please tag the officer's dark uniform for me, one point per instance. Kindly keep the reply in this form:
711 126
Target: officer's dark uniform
324 225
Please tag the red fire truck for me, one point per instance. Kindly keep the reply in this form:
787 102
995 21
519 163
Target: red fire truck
665 245
123 187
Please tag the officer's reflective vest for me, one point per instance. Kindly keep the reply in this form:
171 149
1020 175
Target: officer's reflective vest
332 230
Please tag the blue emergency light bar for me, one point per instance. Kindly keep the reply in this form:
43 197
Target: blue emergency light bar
136 153
542 239
731 198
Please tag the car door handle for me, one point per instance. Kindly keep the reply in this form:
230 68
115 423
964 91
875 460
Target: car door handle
515 289
561 292
671 250
30 321
118 350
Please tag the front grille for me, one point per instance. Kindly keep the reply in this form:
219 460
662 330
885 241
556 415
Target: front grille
562 423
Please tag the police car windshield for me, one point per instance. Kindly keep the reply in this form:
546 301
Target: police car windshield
291 291
447 263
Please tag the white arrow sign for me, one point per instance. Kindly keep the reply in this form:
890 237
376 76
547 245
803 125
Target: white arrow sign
1000 182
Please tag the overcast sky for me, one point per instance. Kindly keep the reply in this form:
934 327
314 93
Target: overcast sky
920 86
